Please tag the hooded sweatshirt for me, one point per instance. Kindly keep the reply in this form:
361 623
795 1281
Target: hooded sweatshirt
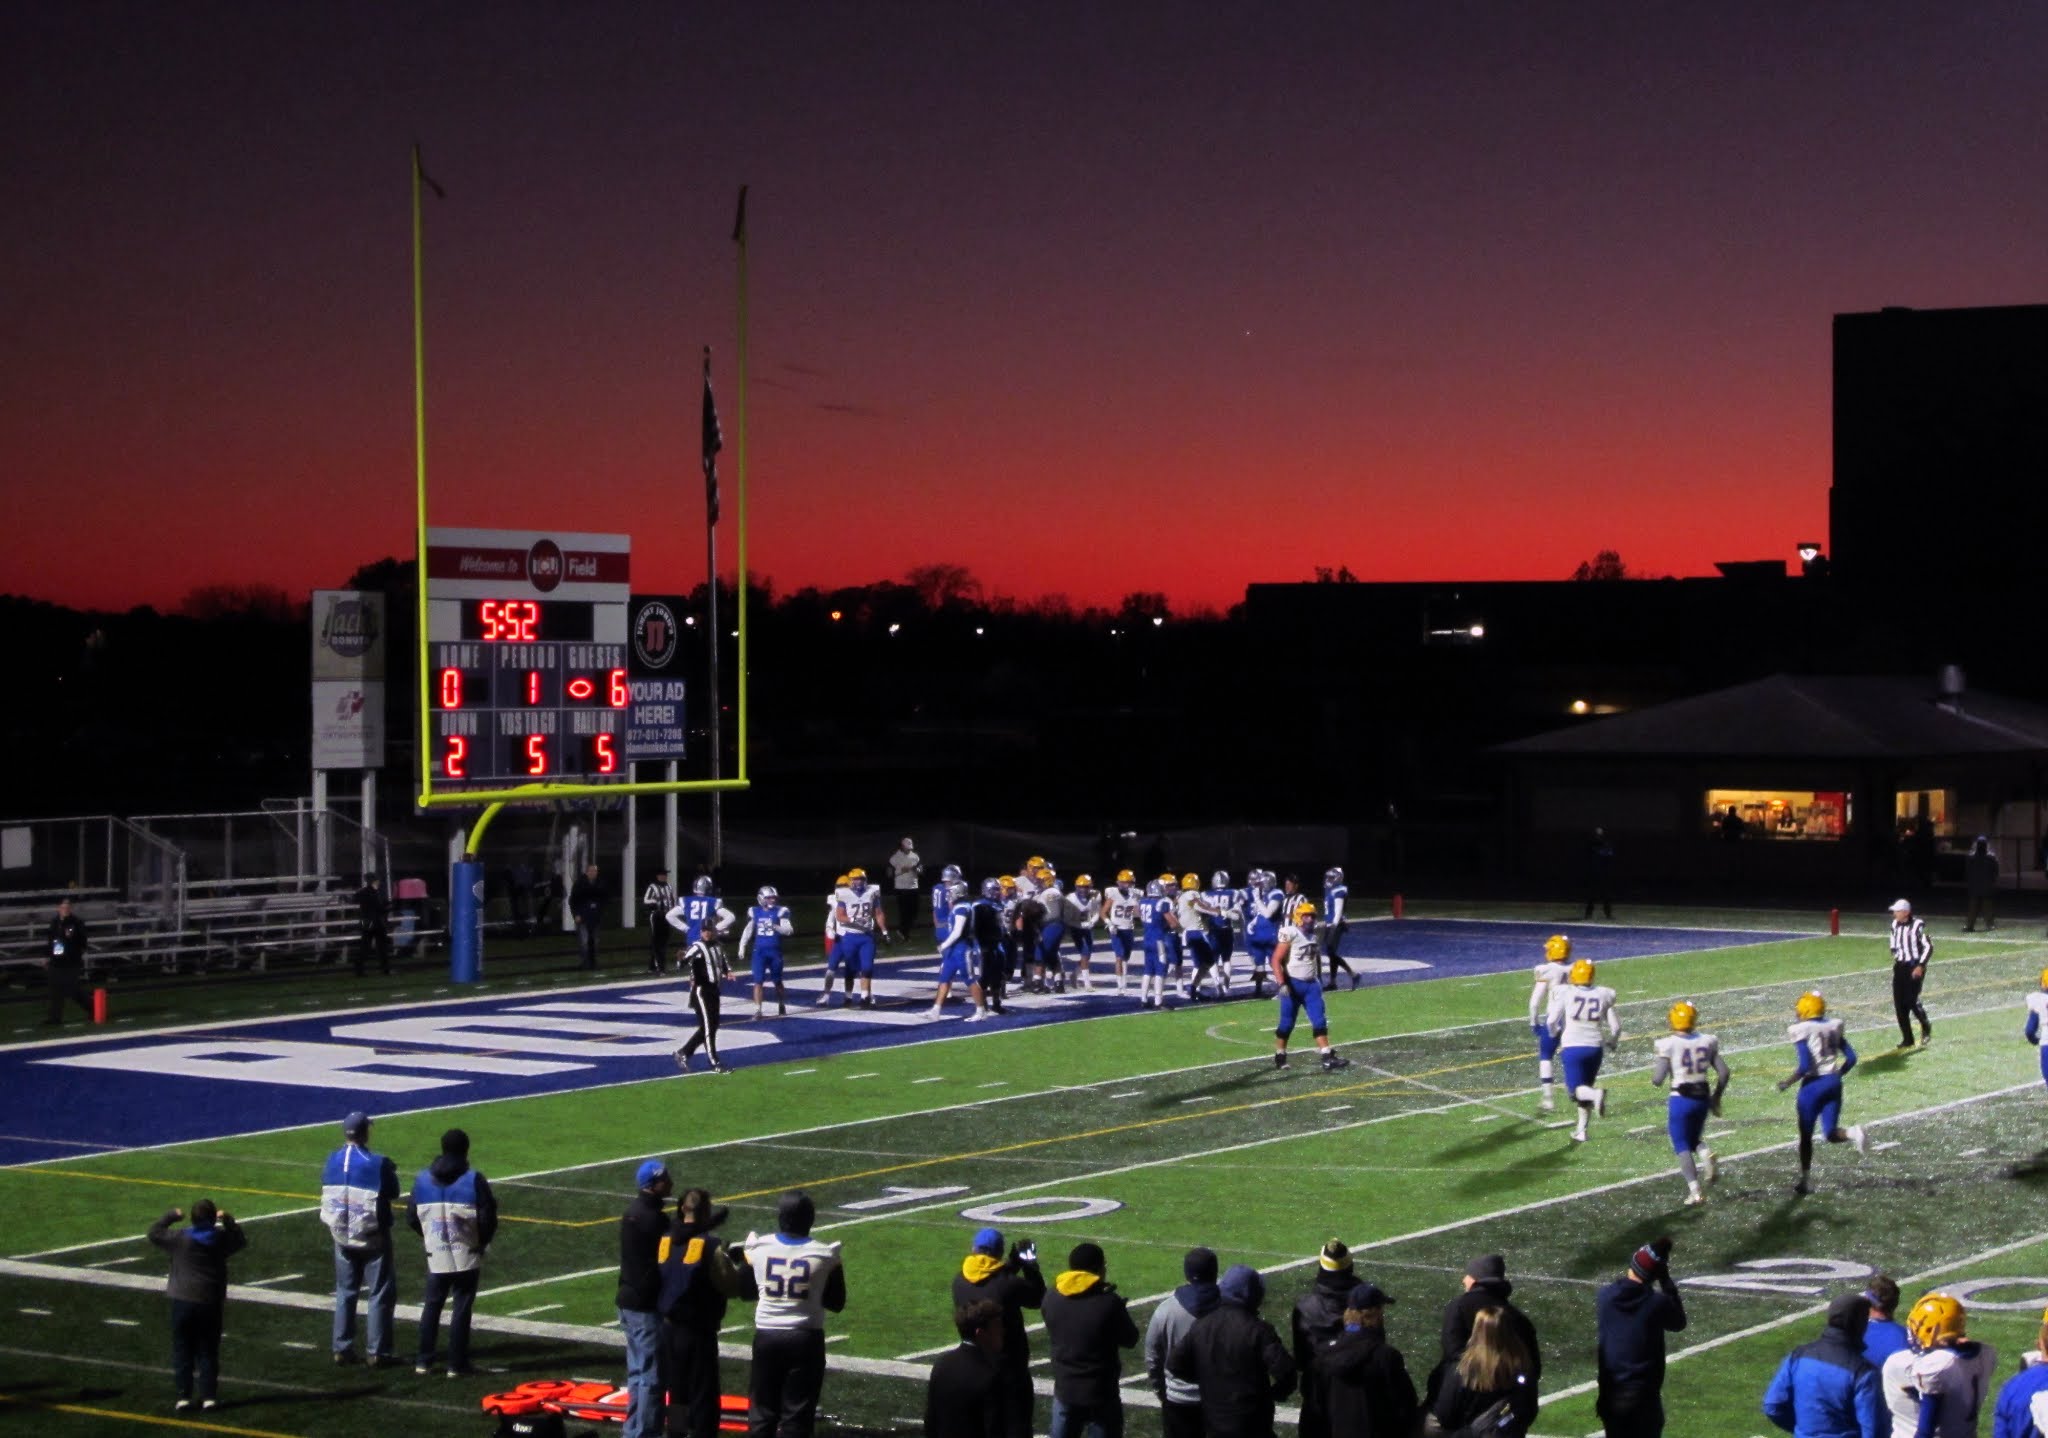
1171 1322
1318 1317
199 1258
1827 1388
1237 1361
1087 1322
1016 1286
454 1210
1487 1293
1364 1384
1634 1317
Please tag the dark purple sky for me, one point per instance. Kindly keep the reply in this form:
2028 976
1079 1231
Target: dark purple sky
1089 298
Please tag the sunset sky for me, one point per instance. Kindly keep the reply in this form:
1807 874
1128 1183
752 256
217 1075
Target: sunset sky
1089 298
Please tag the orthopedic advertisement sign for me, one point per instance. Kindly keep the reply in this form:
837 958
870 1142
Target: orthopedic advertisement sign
348 679
655 724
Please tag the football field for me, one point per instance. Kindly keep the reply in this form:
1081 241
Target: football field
1148 1133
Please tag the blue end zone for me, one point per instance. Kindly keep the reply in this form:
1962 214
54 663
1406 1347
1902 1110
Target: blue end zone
72 1098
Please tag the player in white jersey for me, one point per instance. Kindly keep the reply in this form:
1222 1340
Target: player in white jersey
1084 912
1047 969
859 908
1120 921
1936 1386
1551 974
1686 1057
1193 910
1576 1015
1825 1058
797 1279
1298 975
2037 1012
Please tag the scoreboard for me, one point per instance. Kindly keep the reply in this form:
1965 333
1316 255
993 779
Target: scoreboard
526 656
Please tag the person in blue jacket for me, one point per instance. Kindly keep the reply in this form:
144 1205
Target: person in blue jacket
2022 1410
1827 1388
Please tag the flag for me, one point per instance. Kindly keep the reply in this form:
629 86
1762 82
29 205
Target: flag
714 441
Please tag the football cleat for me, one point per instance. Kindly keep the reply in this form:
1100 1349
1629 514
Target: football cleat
1581 972
1694 1198
977 1016
1859 1138
1810 1005
702 885
1684 1017
1936 1322
1334 1061
682 1058
1279 1060
1802 1188
1557 948
1578 1135
1600 1102
1710 1167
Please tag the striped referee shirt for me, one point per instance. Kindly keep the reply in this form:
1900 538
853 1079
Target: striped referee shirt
658 899
1910 944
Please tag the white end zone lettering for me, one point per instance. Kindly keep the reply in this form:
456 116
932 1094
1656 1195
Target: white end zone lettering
1048 1209
303 1065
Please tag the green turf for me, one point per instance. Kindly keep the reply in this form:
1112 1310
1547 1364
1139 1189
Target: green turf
1429 1150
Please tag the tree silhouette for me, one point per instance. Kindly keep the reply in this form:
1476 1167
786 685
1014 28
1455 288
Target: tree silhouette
1604 565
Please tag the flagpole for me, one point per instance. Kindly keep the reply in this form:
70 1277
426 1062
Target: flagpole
711 577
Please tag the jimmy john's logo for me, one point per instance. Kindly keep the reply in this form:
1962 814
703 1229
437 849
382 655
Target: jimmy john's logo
655 638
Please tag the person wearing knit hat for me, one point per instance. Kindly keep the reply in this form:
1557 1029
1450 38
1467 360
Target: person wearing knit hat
789 1318
357 1189
1180 1402
1014 1283
1087 1326
1318 1317
1235 1358
1827 1388
1635 1312
1486 1286
1363 1378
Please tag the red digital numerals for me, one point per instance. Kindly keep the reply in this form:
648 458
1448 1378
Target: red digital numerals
509 619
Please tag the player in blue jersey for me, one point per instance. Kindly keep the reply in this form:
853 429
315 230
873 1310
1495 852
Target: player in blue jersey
699 914
1577 1013
989 926
954 925
1261 926
1551 975
1297 976
2037 1010
1336 895
948 877
1685 1057
1156 915
1225 903
761 941
1120 920
859 908
1825 1058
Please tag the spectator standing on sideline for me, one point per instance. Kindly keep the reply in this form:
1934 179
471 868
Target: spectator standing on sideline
199 1294
964 1398
657 901
1236 1359
373 926
1600 873
1486 1286
1013 1285
1827 1388
1491 1388
798 1278
1980 882
1885 1335
586 906
64 962
698 1276
641 1230
2022 1410
1319 1317
1635 1312
1911 949
1087 1325
357 1189
906 873
454 1211
1365 1384
1180 1401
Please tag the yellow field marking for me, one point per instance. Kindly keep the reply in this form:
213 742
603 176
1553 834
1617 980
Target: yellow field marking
195 1425
254 1192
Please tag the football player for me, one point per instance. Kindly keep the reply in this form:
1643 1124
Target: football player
761 940
1084 912
1577 1012
698 909
1824 1058
832 939
2037 1009
1193 911
1685 1057
1174 947
1556 966
798 1279
948 877
955 925
1335 895
1157 913
1047 972
860 920
1120 903
1298 977
1936 1385
1261 926
1225 903
992 941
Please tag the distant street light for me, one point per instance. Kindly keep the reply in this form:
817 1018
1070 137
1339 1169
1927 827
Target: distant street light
1157 620
894 627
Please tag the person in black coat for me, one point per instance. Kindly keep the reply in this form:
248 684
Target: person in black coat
1634 1313
1087 1325
1319 1317
1013 1284
373 928
1486 1286
698 1275
1365 1387
199 1295
1492 1379
965 1398
1236 1359
586 906
64 962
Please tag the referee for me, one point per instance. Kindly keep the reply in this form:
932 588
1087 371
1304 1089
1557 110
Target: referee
1910 951
705 963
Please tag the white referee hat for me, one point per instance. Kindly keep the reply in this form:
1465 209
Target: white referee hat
1902 906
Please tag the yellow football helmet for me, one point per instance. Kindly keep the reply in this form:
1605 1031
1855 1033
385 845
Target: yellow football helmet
1190 881
1008 881
2044 979
1581 972
852 874
1033 864
1683 1017
842 881
1084 881
1935 1322
1126 878
1810 1005
1304 910
1557 948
